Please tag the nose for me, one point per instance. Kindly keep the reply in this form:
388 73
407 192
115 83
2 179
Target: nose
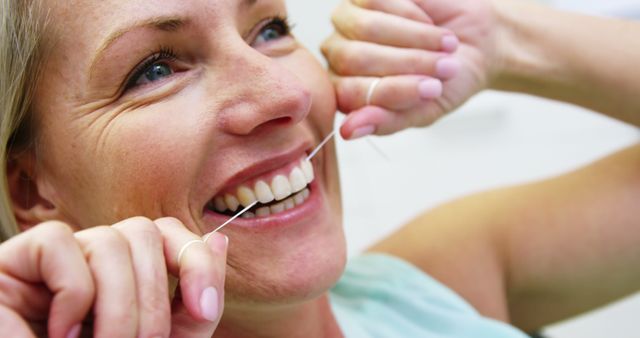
264 95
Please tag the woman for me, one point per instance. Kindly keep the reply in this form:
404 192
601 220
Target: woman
162 118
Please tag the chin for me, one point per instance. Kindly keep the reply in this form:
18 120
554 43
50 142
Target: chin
293 271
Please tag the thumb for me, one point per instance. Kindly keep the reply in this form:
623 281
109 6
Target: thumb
183 324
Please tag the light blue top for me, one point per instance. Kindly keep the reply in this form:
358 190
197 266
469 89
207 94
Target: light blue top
382 296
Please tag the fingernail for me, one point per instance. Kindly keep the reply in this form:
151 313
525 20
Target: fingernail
447 67
450 43
430 89
218 242
209 304
362 132
75 331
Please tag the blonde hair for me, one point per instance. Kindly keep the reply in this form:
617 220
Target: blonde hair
21 51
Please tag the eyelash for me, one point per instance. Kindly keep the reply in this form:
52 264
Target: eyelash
168 55
164 54
281 21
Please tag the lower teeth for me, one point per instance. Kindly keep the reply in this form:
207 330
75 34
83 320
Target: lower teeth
262 210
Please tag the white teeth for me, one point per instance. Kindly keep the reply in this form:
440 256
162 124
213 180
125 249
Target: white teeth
277 208
219 204
248 214
263 212
263 192
289 204
307 169
297 179
281 187
246 196
298 198
232 202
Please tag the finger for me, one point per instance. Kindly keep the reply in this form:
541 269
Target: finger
201 271
150 272
377 27
393 92
13 325
30 300
357 58
404 8
108 256
49 254
376 120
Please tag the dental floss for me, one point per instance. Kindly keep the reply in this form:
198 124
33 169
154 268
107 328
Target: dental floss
377 149
230 220
312 155
326 139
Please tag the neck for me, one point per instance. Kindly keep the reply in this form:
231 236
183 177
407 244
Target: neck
310 319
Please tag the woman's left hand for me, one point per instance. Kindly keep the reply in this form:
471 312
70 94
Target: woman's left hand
409 45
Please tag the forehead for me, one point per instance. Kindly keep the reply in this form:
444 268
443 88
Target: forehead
90 20
71 15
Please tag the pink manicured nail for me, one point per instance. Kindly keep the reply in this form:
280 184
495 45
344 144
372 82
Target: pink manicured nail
447 67
430 89
450 43
75 331
209 304
362 132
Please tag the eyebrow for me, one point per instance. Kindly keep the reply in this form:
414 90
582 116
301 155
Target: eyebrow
163 23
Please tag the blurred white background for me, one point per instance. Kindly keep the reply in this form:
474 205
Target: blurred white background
494 140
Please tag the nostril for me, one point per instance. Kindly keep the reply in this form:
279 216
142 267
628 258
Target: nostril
278 122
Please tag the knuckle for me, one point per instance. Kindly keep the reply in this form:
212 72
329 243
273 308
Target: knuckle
325 49
348 61
139 221
419 63
362 27
111 238
335 16
141 226
363 3
55 232
83 291
172 221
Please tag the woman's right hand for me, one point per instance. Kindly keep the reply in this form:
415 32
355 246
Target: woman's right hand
51 278
401 41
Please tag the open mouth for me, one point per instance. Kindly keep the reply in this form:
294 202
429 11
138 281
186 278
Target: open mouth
275 193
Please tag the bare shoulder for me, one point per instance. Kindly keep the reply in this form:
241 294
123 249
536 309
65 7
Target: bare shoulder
486 245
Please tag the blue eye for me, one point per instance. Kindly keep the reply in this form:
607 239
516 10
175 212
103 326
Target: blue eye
154 69
155 72
276 29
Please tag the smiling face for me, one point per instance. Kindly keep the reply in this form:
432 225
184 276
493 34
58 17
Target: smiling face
181 107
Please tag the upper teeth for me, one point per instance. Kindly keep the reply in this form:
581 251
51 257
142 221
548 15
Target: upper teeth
280 188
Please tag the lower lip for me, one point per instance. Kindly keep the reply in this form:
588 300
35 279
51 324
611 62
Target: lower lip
297 215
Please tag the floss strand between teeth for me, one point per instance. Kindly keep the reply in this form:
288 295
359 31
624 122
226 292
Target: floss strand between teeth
247 208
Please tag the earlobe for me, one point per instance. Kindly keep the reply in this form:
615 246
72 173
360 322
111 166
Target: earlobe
29 207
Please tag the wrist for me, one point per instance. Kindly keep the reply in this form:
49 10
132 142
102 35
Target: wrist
522 61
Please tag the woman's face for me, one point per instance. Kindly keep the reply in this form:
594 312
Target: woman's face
169 108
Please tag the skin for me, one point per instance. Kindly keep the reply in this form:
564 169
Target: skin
165 148
102 157
530 255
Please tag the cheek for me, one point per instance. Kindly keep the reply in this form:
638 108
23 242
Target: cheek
156 156
136 164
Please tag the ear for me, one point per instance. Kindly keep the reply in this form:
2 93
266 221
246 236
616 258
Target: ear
29 207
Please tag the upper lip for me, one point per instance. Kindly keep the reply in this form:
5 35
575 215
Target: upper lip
272 162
